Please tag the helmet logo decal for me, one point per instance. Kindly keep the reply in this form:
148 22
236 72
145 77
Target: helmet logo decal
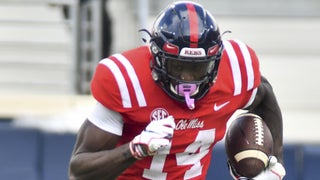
193 52
213 50
170 48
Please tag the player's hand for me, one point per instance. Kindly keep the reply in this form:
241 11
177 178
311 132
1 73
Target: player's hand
155 137
274 171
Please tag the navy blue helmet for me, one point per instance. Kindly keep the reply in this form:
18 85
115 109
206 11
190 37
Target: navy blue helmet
186 47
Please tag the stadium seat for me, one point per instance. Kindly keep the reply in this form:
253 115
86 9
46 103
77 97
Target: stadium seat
19 153
292 157
57 150
5 123
311 162
218 168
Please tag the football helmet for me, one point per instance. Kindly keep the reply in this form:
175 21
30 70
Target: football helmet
186 47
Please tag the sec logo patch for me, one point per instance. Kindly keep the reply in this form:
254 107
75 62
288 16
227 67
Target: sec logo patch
158 114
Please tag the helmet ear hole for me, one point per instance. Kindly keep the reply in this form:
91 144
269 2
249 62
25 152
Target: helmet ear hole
154 48
155 76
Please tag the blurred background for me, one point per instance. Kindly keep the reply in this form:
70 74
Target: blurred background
49 50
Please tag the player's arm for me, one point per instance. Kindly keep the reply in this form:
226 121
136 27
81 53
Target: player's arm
266 106
95 155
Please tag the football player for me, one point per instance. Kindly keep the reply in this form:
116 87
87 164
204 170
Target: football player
162 107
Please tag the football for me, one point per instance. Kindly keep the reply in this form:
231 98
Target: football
248 145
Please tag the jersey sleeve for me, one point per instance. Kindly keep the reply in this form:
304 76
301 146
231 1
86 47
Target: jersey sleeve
100 114
116 83
255 69
245 70
256 75
104 86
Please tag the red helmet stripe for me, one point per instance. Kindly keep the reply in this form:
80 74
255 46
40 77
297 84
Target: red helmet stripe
193 17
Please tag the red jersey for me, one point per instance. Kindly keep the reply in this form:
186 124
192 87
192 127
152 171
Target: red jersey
123 83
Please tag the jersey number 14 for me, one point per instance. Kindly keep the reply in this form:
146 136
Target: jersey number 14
191 156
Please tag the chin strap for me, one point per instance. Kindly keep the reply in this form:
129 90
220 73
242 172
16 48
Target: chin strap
186 90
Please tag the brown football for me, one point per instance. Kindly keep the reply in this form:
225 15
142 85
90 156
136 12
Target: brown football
248 144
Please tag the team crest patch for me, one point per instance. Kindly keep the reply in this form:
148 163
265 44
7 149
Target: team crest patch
158 114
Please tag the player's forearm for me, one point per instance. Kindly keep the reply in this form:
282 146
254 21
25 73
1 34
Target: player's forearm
276 128
272 117
270 112
107 164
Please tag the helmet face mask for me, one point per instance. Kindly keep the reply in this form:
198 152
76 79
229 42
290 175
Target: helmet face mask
188 70
186 48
